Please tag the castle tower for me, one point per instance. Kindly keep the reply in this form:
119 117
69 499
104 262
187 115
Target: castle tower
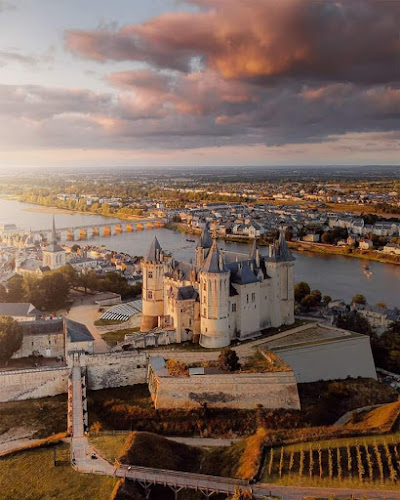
153 289
53 254
280 267
203 247
214 301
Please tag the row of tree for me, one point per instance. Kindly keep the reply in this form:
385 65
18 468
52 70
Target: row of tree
50 291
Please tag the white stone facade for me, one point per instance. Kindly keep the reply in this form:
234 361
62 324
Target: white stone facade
223 296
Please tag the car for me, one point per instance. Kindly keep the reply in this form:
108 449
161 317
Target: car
93 456
101 309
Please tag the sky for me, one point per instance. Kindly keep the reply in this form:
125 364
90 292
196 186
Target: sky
199 82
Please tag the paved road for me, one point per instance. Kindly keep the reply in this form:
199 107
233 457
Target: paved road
87 314
300 492
206 442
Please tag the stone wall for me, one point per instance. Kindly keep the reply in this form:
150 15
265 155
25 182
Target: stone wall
103 371
241 390
115 369
33 383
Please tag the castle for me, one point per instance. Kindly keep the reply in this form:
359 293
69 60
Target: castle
223 296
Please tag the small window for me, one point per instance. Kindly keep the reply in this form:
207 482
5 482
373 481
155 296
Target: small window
149 295
253 297
247 298
150 275
233 308
204 313
205 286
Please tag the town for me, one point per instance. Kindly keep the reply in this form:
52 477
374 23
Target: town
199 250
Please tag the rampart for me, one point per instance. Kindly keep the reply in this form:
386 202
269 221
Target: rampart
103 371
33 383
236 390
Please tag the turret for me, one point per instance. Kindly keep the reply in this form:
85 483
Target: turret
152 291
203 247
214 301
280 267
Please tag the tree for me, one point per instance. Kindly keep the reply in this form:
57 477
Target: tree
228 360
382 305
3 294
301 290
31 289
10 338
354 322
15 289
386 348
326 299
75 248
359 299
54 290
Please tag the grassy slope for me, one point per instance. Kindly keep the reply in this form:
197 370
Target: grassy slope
41 416
31 475
383 418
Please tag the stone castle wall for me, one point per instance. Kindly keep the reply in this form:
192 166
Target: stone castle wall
103 371
33 383
242 390
115 369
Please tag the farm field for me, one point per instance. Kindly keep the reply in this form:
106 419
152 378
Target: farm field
348 462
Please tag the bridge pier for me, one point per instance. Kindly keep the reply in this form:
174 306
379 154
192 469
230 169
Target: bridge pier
70 235
82 234
118 229
107 231
95 231
147 488
129 228
176 490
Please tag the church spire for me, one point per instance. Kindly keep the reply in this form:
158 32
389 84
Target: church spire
53 233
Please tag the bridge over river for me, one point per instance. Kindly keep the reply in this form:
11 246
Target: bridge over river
82 232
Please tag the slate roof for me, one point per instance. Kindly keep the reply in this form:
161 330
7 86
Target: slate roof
18 309
187 293
153 254
205 240
243 274
42 327
77 332
280 250
213 262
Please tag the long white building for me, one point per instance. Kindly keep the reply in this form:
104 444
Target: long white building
223 296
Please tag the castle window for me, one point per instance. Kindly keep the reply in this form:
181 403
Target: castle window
205 286
253 297
150 275
204 313
233 308
149 295
247 298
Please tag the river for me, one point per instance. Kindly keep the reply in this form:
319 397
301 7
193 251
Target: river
337 276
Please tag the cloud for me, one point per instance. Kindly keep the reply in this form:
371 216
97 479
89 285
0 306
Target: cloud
356 40
4 6
232 73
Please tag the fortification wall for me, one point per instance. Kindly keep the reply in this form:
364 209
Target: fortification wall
186 356
115 369
103 371
34 383
242 390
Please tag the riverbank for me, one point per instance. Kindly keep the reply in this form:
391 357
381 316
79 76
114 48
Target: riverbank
38 208
301 246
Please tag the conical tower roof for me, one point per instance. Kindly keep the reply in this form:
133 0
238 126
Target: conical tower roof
214 262
284 252
154 252
205 239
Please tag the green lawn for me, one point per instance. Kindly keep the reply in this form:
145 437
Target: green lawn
31 475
